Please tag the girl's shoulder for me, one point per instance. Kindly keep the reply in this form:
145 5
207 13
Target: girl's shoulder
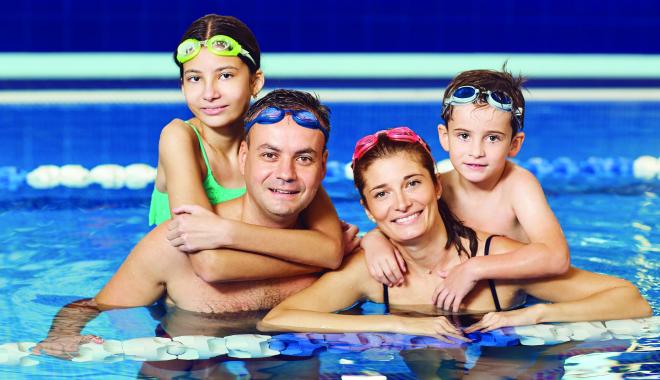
176 132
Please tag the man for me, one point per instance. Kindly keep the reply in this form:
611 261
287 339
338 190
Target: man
283 161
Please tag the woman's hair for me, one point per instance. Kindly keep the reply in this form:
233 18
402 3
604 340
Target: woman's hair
385 148
210 25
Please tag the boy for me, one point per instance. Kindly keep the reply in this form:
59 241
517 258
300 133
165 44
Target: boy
484 115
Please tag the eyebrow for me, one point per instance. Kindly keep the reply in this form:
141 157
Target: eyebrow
298 152
404 178
217 69
489 131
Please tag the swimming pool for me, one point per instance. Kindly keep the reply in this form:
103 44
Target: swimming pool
63 243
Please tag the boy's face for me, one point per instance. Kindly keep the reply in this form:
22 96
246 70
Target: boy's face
478 140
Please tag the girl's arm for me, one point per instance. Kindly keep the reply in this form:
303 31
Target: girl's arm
312 309
320 245
178 157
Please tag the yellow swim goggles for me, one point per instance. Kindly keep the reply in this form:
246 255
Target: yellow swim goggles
219 45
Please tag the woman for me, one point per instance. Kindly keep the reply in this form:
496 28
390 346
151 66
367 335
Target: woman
394 173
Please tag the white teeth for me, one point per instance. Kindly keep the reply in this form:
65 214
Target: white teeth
407 218
282 191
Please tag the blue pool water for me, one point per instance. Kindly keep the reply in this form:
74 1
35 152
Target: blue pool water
62 244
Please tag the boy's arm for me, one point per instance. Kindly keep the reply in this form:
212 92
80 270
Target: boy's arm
547 253
320 245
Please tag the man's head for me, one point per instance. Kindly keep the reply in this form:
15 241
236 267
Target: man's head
487 88
283 157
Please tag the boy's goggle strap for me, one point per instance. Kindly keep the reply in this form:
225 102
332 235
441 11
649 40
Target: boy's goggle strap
470 94
367 143
304 118
219 45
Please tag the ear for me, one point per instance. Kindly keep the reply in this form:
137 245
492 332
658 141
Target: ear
516 144
438 186
324 162
366 211
443 135
258 81
242 156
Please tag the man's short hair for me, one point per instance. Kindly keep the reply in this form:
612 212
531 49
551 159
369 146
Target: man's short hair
491 80
292 100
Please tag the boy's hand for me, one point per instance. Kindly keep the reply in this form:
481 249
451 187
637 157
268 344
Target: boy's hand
457 283
350 237
384 261
194 228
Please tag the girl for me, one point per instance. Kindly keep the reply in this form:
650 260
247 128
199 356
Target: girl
219 66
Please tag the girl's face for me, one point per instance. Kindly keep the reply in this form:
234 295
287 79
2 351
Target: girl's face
218 89
401 197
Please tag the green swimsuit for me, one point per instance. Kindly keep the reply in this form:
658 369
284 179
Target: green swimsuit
159 211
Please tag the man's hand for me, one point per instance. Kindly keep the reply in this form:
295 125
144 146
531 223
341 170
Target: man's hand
64 347
350 237
195 228
384 261
457 283
495 320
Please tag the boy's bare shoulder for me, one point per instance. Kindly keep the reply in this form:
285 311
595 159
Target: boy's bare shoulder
520 179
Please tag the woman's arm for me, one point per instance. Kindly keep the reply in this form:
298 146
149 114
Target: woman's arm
585 296
178 157
312 309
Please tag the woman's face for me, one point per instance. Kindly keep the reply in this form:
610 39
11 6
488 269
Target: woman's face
218 89
401 197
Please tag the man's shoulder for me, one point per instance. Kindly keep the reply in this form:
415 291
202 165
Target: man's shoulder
231 209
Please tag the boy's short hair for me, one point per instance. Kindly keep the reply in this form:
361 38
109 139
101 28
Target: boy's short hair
491 80
292 100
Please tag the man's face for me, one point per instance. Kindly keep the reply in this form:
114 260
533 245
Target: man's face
283 167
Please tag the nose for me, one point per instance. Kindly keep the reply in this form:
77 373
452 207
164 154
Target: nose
286 170
477 148
402 201
211 90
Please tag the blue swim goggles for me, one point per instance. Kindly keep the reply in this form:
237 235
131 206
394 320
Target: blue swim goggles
272 115
497 99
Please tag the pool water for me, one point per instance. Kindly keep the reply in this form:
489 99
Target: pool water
57 252
63 244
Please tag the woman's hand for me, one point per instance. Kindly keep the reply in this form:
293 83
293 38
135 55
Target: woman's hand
436 327
521 317
64 347
385 263
194 228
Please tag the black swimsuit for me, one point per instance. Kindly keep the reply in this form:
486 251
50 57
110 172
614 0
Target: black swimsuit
491 283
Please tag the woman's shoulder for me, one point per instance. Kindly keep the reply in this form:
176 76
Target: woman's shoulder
498 244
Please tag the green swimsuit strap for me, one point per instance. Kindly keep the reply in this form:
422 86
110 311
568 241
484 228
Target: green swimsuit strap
201 146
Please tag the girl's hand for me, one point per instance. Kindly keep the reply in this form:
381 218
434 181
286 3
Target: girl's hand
64 347
350 237
384 261
436 327
495 320
194 228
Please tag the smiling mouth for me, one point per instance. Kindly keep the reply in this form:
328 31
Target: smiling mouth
407 219
283 192
213 110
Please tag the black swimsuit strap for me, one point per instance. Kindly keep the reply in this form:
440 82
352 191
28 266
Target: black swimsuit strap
386 298
491 283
